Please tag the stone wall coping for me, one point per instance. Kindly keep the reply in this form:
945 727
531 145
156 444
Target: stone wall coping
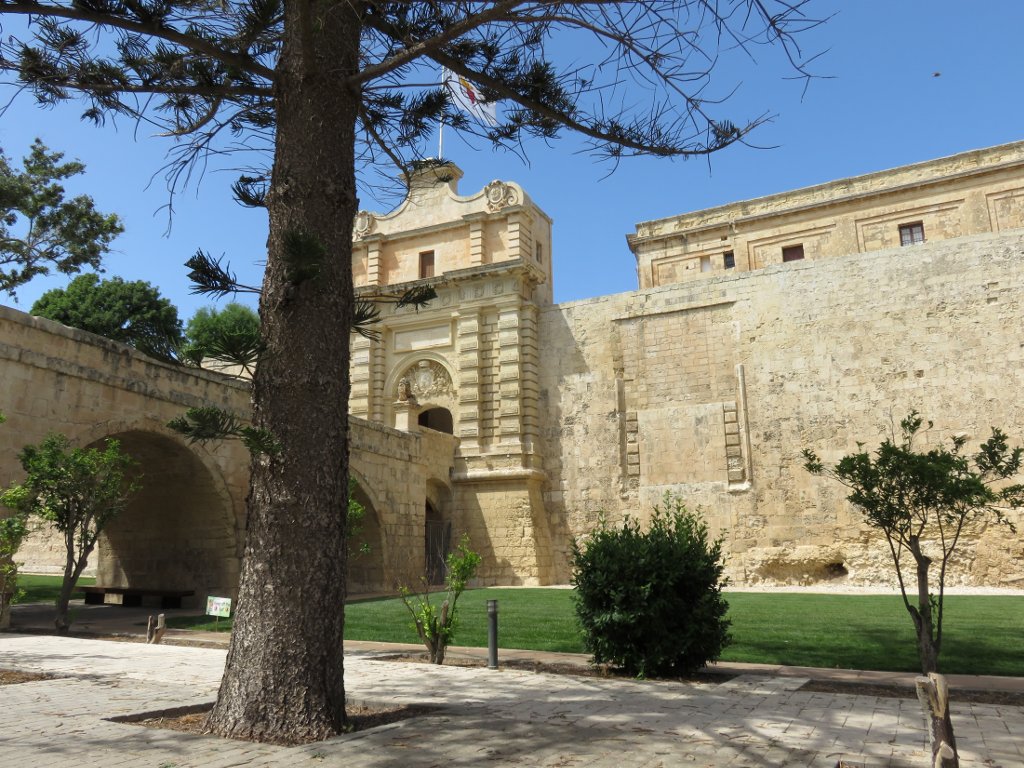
925 174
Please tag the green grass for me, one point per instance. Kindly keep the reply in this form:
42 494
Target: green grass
45 589
982 633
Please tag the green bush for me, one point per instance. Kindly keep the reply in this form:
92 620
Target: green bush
651 602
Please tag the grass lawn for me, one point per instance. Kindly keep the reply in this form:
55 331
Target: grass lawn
982 633
44 589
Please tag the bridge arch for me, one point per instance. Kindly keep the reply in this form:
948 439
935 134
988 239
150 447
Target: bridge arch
181 531
366 555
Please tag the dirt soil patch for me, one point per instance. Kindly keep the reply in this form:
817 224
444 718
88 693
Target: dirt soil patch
13 677
956 696
193 719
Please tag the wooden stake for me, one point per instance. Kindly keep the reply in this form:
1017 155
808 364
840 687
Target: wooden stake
933 693
154 634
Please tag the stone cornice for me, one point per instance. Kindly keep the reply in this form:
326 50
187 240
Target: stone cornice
930 173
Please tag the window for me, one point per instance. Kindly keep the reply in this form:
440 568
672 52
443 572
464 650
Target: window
426 264
538 253
705 263
729 260
793 252
912 234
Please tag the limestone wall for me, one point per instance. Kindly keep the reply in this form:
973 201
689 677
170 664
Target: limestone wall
712 388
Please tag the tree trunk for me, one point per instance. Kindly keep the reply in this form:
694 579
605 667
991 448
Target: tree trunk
927 652
284 679
72 572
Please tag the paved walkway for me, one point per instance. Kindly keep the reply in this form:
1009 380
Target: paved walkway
498 718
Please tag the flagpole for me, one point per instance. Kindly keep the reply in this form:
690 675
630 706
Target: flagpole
440 122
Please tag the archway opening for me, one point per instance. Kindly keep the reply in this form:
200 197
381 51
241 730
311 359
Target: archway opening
178 532
437 419
437 544
365 547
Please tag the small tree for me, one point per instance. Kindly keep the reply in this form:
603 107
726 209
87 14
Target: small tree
79 491
39 229
651 601
12 532
434 624
921 501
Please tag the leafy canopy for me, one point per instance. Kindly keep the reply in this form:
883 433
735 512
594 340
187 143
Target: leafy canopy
78 490
132 312
230 334
40 230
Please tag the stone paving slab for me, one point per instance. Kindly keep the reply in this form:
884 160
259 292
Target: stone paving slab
500 718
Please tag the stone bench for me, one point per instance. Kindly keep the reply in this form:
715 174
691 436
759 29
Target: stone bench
132 596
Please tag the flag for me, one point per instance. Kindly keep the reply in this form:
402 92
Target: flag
468 99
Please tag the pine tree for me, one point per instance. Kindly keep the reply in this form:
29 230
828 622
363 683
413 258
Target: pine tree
330 87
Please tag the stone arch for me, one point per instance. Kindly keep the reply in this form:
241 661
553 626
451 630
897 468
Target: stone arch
428 377
180 531
366 571
438 419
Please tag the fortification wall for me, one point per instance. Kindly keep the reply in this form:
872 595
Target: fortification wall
712 388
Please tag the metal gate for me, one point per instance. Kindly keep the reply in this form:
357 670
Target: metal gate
438 544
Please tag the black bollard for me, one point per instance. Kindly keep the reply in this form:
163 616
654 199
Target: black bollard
492 634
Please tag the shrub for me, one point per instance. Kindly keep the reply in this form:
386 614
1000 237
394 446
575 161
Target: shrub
435 624
651 602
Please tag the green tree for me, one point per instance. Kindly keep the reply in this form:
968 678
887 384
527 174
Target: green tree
78 491
12 532
330 89
650 602
230 335
436 624
39 229
132 312
921 500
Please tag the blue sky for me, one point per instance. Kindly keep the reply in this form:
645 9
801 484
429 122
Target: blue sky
881 106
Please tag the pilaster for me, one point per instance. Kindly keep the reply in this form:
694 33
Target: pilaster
468 341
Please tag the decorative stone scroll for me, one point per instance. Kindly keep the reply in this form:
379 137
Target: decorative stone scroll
365 223
499 195
426 381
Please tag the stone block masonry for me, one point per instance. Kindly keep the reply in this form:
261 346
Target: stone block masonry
711 389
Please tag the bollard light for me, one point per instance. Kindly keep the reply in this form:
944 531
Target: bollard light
492 634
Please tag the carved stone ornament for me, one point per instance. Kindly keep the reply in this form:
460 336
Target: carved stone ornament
424 381
365 223
499 194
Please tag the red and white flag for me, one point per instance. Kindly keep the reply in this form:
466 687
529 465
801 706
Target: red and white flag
468 99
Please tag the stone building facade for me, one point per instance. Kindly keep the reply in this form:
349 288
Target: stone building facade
710 379
495 413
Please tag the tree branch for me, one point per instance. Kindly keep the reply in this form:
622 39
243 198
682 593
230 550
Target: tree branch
191 41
